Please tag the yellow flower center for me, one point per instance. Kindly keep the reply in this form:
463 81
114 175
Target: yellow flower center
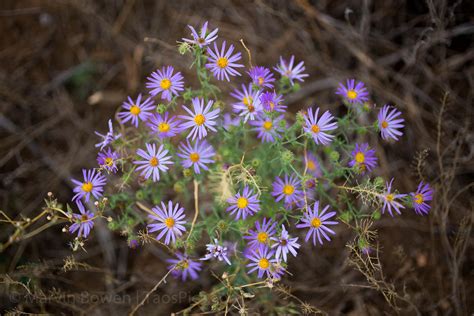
242 202
267 125
84 218
165 84
315 222
419 198
315 128
135 110
163 127
311 165
272 105
261 80
262 237
222 62
359 157
384 124
154 162
288 189
109 161
248 101
169 222
389 197
263 263
351 94
87 187
184 264
194 157
199 119
201 40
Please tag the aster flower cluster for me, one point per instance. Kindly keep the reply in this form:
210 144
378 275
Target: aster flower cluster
237 179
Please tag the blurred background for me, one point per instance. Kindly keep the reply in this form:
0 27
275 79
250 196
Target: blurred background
66 66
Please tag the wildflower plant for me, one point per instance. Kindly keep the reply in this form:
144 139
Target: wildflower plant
239 177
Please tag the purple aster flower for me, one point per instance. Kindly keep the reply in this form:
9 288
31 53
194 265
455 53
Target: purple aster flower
201 119
262 233
133 244
243 204
288 189
389 123
261 77
317 222
93 184
312 165
292 73
169 221
153 161
107 160
196 156
261 261
184 266
423 194
285 244
318 127
363 158
366 250
271 101
83 222
107 138
165 82
202 39
216 251
267 128
352 92
248 105
389 200
136 110
164 125
222 63
276 270
230 121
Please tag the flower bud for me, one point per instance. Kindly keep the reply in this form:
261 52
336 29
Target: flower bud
287 156
178 187
183 48
222 226
334 156
366 107
187 173
296 87
139 195
379 182
112 225
161 108
300 117
376 215
256 162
